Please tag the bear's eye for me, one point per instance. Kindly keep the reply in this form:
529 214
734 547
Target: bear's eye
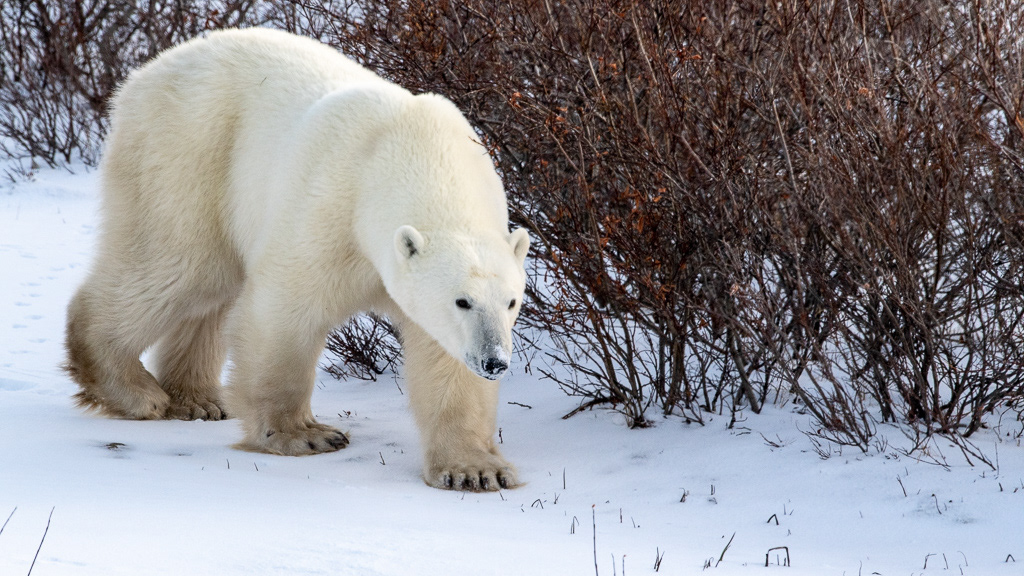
512 304
463 303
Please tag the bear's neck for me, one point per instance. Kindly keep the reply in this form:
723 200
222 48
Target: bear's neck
432 219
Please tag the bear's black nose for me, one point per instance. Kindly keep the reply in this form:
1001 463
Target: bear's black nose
494 366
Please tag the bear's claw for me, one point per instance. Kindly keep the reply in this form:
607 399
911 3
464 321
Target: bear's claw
476 480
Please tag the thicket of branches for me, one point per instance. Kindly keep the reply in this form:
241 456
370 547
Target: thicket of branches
733 202
61 61
740 199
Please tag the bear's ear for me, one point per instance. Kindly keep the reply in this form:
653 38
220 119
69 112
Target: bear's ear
408 242
520 241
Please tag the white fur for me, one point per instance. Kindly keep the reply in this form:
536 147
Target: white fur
265 178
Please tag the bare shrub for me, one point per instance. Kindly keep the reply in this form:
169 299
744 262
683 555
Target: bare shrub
734 200
365 348
911 186
62 60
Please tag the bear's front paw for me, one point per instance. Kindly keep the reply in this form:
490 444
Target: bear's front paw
311 439
489 473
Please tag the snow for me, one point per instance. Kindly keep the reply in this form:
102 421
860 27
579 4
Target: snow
140 498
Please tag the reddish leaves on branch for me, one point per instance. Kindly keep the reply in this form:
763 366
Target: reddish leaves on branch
738 198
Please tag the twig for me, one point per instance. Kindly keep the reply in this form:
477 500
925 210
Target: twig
724 550
31 566
8 519
593 518
780 443
528 407
382 463
901 486
768 553
658 557
589 404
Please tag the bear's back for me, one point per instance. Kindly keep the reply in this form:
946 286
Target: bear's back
242 66
199 136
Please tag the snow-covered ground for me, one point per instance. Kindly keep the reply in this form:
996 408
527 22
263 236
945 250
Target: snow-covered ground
140 498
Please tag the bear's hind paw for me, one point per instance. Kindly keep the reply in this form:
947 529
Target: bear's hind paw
195 409
143 403
313 439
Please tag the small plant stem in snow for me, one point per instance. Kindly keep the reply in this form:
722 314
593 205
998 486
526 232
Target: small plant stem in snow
8 519
593 518
34 558
727 544
658 557
785 561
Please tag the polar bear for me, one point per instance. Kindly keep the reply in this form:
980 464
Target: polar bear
260 189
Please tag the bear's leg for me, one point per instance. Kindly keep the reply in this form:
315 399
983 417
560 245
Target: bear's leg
188 363
103 358
272 378
456 412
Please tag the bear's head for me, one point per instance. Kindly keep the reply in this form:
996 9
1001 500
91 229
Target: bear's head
464 291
